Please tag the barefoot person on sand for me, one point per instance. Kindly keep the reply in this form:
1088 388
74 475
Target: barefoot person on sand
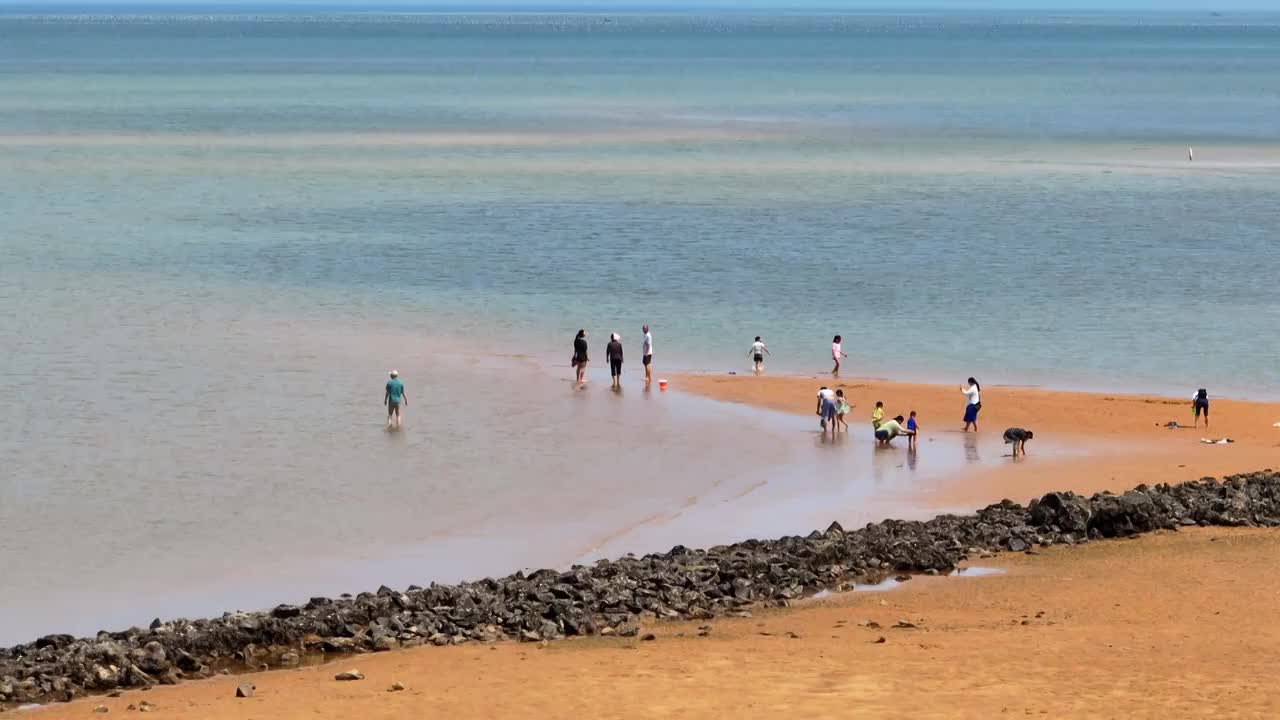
1017 437
580 356
647 357
613 353
827 409
836 354
889 430
1200 404
756 353
393 398
974 404
842 408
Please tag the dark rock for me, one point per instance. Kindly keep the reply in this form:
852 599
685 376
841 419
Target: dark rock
245 690
396 687
150 658
880 640
648 637
284 612
1066 511
349 676
187 662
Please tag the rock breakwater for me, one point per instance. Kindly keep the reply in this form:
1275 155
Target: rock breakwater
611 597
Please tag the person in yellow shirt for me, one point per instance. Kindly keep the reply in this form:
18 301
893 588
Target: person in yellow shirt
891 429
877 415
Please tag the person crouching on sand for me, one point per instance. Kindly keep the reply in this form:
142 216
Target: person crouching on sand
1017 437
889 430
394 397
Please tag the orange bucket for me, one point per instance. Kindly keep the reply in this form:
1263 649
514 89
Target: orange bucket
662 384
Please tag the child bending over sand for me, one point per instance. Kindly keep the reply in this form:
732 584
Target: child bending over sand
1017 437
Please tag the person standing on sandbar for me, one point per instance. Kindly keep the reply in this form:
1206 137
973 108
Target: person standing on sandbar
971 408
394 398
613 353
580 358
647 357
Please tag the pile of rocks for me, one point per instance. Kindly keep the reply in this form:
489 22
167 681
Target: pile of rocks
610 597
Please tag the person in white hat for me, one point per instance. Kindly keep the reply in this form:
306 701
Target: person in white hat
613 353
394 398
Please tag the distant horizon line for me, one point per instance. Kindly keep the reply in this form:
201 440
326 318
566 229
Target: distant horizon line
589 7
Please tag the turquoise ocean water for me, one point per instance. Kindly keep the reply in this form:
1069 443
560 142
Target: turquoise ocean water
217 233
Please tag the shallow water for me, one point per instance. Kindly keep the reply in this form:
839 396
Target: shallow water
221 232
239 490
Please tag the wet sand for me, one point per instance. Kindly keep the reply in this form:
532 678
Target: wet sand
1100 441
1162 626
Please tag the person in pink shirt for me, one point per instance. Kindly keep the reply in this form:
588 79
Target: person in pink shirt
836 355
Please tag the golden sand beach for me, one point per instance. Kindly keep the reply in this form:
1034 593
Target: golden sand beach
1121 440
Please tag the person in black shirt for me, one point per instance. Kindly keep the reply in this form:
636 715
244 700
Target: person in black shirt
580 358
1201 405
613 353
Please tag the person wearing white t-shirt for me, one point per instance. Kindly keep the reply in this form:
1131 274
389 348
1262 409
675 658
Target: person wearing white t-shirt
827 408
974 404
647 357
836 354
757 353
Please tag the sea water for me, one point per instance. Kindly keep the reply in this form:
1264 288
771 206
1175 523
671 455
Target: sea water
219 232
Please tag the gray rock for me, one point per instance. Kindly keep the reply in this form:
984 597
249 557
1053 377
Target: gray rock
396 687
245 690
102 709
349 676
